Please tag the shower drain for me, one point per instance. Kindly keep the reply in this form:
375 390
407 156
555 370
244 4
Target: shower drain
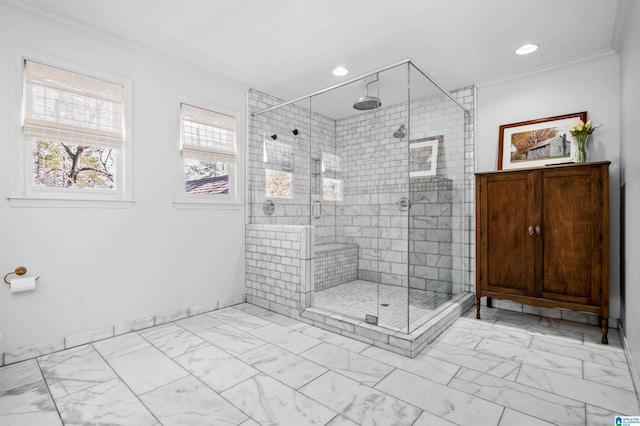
385 304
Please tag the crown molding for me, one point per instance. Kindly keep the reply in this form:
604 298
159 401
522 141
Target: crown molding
621 24
49 14
550 67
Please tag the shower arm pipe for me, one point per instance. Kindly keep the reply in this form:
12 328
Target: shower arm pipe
360 77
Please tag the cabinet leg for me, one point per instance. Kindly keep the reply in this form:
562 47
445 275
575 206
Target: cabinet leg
477 307
605 329
489 302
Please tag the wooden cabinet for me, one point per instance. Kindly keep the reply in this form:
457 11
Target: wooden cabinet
542 237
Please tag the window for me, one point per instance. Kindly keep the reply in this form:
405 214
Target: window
73 136
278 177
208 150
331 185
278 184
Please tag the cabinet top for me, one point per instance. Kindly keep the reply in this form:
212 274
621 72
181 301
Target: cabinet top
551 166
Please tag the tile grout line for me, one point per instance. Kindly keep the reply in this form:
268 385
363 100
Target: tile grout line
126 384
44 379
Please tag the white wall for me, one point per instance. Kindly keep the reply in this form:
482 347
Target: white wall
630 111
100 267
591 85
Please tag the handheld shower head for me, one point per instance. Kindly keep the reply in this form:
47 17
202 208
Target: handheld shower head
400 133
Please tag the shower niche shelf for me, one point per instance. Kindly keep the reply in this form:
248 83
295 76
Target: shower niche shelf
316 176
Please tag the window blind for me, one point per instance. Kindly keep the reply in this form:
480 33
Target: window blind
63 106
207 135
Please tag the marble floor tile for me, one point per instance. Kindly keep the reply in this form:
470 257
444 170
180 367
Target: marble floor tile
536 403
617 377
533 357
454 405
341 421
590 332
428 419
241 320
249 422
360 403
352 365
198 322
252 309
336 339
216 368
286 338
109 403
24 397
602 355
482 328
74 369
289 368
16 376
282 320
146 369
269 402
121 345
597 416
478 361
189 402
173 340
32 406
512 417
508 368
460 339
599 395
423 365
230 339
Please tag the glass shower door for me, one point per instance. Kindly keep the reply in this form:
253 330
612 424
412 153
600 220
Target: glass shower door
394 203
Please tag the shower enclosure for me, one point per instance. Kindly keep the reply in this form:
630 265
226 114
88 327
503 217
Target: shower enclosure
359 199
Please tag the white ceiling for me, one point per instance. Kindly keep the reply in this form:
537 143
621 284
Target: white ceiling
287 48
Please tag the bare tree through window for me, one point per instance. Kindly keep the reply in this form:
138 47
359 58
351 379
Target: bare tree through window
57 164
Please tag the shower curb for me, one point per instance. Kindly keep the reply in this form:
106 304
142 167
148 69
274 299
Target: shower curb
408 345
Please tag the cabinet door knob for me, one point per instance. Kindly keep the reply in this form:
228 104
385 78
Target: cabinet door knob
538 230
530 230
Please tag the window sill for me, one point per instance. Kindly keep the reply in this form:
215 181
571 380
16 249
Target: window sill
69 202
204 205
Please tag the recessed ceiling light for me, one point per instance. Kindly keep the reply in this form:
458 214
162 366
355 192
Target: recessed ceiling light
340 71
526 49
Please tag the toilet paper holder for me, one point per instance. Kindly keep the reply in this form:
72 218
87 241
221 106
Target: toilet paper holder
20 270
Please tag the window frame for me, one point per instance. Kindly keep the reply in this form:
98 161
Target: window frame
23 191
232 200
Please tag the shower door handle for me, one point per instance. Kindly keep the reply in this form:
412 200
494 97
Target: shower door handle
403 204
316 209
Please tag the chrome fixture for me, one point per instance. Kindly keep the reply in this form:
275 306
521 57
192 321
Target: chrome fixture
401 132
367 102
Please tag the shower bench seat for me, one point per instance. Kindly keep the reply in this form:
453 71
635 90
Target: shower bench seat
335 264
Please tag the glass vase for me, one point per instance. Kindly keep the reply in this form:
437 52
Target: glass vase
581 149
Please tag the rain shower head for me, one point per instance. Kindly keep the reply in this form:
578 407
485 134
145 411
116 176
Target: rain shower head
400 133
367 102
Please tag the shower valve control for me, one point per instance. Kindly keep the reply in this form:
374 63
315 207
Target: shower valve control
403 204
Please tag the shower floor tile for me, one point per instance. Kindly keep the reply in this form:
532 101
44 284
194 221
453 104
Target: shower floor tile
388 302
331 381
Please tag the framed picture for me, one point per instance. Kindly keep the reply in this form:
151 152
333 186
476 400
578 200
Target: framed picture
537 142
423 156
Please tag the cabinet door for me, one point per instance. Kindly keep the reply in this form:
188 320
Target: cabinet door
506 250
572 233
